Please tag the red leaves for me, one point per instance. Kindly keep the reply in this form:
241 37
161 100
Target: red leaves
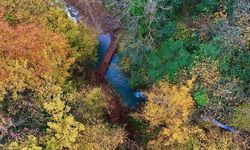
44 51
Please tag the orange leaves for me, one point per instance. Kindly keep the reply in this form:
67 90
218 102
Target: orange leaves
45 52
220 15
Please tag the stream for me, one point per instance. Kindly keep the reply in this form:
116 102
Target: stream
114 74
118 79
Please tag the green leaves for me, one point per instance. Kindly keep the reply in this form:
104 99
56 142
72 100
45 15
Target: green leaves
11 19
201 98
137 7
241 117
167 61
236 64
210 50
207 6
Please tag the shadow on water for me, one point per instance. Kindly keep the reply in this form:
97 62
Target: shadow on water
119 80
116 77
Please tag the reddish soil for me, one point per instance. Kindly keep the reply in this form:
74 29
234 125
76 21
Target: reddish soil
107 58
94 15
116 111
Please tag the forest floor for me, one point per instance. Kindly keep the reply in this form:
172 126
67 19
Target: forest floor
94 15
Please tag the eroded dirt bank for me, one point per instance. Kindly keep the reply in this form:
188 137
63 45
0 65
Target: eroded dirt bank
94 14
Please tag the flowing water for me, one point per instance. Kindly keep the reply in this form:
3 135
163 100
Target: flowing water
116 77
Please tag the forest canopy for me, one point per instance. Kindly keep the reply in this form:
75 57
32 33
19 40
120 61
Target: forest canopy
190 59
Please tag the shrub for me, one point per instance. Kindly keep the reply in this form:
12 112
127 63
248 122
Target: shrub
209 50
201 98
241 117
236 64
136 8
166 61
207 6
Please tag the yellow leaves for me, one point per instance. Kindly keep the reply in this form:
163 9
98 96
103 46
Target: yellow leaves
30 144
152 113
174 134
36 53
53 144
24 10
80 38
125 63
220 15
170 106
216 139
207 73
94 94
62 126
36 50
247 36
241 117
183 32
90 104
66 130
2 91
56 108
101 136
16 78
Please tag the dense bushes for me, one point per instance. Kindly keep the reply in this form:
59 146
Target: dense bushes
169 110
237 64
201 98
175 40
45 105
38 47
154 65
241 117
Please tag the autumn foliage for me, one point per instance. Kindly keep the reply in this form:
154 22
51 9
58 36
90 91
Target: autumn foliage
38 105
170 110
171 107
190 59
38 51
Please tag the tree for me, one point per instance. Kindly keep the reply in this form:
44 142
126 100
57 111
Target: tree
101 136
153 65
42 56
169 110
170 107
79 37
89 104
30 144
32 59
18 11
63 130
35 59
